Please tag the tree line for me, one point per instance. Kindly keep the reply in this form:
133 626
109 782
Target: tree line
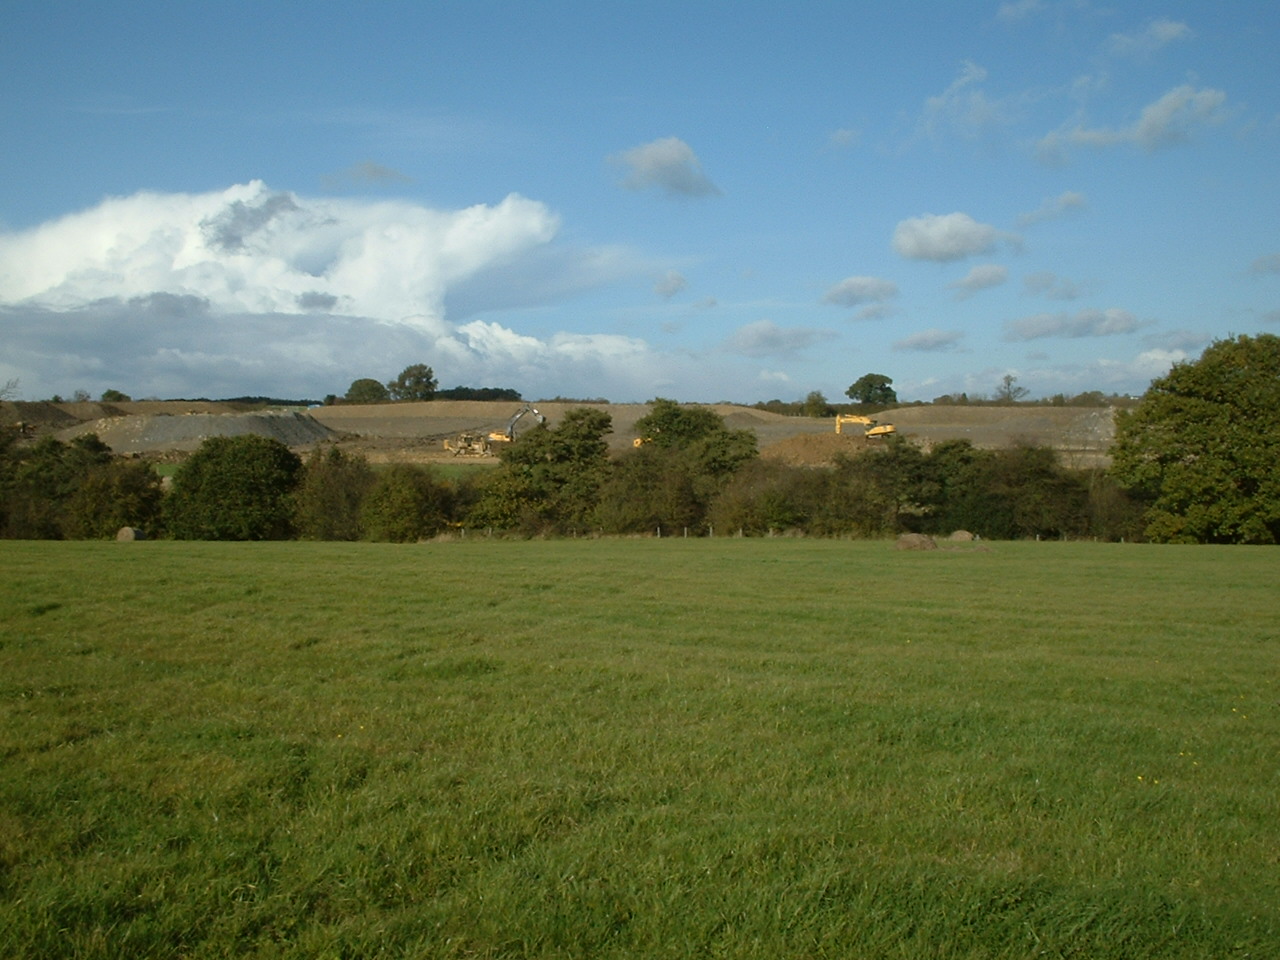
1194 462
690 475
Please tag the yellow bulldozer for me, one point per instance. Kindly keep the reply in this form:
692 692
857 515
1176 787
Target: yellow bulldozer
473 443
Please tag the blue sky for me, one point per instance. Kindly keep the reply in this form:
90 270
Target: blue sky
706 201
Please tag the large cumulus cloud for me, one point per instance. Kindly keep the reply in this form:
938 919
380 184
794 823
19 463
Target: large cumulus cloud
250 290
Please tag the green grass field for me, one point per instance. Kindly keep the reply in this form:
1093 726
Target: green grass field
639 748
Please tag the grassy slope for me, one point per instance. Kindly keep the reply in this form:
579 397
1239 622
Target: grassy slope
638 748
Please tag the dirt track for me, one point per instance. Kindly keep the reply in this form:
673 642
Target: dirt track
414 431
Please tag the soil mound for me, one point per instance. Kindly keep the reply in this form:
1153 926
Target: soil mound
39 413
185 432
814 449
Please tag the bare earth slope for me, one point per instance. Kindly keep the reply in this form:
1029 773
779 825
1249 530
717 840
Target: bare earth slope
415 431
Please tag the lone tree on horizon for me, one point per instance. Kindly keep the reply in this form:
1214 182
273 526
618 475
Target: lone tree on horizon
416 382
872 388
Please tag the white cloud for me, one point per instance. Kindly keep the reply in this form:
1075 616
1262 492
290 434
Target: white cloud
1157 34
980 278
1048 284
366 173
1052 208
845 137
852 291
1019 10
930 341
1086 323
253 250
1167 122
252 291
671 283
1265 265
1171 119
1158 362
951 236
764 338
964 107
876 311
1186 341
668 164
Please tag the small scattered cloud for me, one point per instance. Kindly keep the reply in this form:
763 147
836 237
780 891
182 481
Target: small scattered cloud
1053 208
366 173
764 338
1156 34
669 165
1086 323
980 278
1168 122
671 283
1265 265
1184 341
930 341
1018 10
1156 363
964 108
845 137
952 236
876 311
1046 283
855 291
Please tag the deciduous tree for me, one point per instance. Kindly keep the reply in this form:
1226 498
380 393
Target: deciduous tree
367 390
234 488
330 495
407 503
815 405
111 495
416 382
550 477
872 388
1009 391
1202 446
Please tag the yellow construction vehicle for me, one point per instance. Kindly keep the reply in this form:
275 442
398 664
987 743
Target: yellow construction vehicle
472 443
508 433
875 430
468 444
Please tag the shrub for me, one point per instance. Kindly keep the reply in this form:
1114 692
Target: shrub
121 493
407 503
234 488
330 496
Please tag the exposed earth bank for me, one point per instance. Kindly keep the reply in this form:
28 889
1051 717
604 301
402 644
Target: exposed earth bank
414 432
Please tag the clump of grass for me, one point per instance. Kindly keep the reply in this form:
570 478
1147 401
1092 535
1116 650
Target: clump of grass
735 748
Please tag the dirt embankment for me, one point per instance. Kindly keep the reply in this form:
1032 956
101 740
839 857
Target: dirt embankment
184 432
414 431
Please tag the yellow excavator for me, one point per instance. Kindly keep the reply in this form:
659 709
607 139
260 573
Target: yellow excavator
508 433
875 430
472 443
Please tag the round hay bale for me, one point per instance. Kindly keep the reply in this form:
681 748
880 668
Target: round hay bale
961 536
915 541
129 534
